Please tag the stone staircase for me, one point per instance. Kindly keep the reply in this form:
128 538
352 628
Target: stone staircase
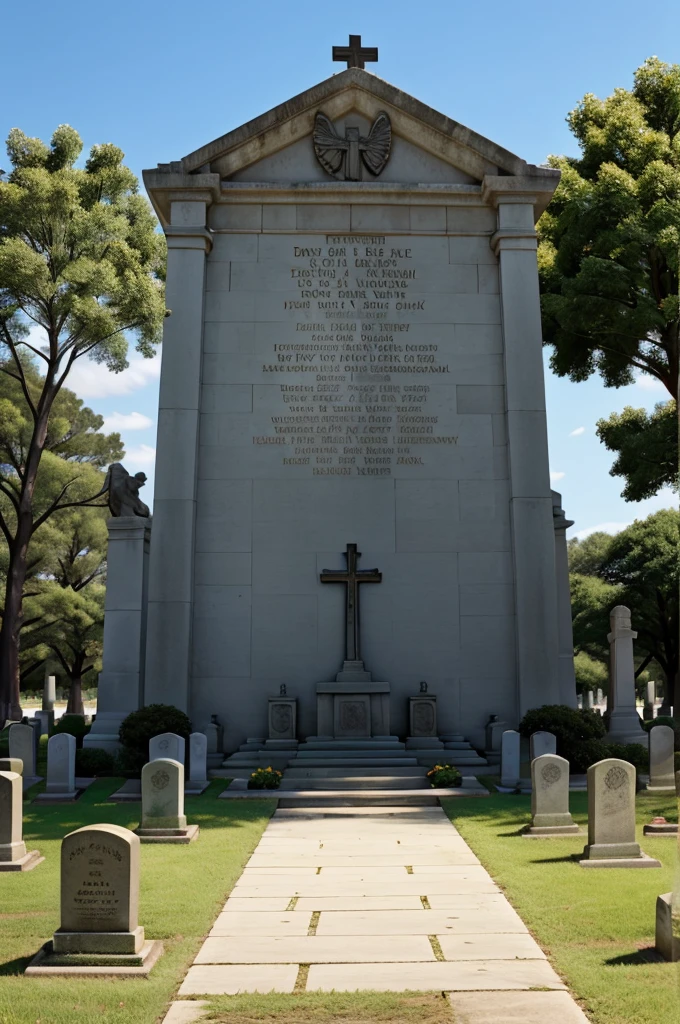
327 772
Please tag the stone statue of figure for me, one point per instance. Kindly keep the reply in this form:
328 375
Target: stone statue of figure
123 491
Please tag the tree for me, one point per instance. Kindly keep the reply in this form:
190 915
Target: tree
608 256
80 260
646 446
638 568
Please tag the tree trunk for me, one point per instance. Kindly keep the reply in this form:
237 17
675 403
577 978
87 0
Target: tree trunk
75 704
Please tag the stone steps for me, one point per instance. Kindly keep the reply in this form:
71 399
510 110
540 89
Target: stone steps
346 782
363 798
354 762
298 772
346 751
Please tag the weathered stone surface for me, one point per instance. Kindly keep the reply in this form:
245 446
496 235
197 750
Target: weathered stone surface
12 847
661 759
611 813
232 980
667 937
12 764
167 745
99 892
624 724
22 745
542 743
198 755
163 795
550 796
61 765
516 1008
510 759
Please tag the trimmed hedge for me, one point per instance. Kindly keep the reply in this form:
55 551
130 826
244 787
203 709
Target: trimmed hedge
141 726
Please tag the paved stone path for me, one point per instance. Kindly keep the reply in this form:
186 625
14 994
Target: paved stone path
376 898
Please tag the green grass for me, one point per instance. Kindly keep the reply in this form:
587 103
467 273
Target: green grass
597 927
334 1008
182 890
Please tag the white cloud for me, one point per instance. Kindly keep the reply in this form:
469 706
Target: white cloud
143 455
647 383
601 528
94 380
577 432
554 477
127 421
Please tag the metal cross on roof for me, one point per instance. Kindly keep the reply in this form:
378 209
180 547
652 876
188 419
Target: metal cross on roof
355 54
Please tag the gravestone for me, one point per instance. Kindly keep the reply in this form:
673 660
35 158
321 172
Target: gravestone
12 764
661 759
600 696
493 733
542 743
49 693
550 797
611 818
650 701
13 854
590 699
510 741
354 362
22 745
61 770
99 926
167 745
624 725
667 939
163 817
198 770
46 719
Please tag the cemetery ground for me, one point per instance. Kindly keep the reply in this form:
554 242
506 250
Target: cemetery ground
596 927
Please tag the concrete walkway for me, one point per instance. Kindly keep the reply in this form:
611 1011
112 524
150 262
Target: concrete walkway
382 898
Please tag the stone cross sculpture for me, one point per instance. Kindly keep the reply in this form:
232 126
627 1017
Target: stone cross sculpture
352 577
355 54
123 491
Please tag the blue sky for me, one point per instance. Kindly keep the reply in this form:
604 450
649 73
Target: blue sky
161 80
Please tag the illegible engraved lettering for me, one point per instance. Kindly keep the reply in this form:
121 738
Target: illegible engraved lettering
616 777
282 717
160 779
551 773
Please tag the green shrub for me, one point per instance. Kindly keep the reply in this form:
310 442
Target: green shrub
141 726
91 762
586 753
570 726
444 776
634 753
74 725
265 778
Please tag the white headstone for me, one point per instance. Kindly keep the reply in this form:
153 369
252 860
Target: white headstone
99 892
611 815
198 751
625 725
510 759
61 765
13 854
162 796
167 745
550 796
590 699
49 693
600 696
22 745
46 719
542 743
650 692
661 759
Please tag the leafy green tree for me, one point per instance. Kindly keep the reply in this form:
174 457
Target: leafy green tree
647 448
81 261
608 259
638 567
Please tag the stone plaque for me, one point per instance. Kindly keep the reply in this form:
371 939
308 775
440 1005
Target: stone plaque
282 718
100 880
423 716
167 745
352 717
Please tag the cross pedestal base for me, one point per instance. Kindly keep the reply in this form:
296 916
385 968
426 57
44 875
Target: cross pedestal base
352 710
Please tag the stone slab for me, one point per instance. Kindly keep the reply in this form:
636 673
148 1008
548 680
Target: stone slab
149 953
360 903
331 860
424 922
27 863
310 949
260 923
185 1011
502 946
188 835
217 980
410 885
516 1008
440 975
669 829
622 862
271 905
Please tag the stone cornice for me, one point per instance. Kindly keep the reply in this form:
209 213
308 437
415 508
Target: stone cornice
513 238
166 186
533 189
189 238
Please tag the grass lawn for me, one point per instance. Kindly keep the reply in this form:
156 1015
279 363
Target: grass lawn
182 890
597 927
334 1008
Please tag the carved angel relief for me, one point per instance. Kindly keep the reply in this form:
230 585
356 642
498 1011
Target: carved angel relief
342 157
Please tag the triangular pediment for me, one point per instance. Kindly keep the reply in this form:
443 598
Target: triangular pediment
428 145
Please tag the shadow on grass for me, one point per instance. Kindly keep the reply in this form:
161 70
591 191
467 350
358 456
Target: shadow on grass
570 858
648 955
17 966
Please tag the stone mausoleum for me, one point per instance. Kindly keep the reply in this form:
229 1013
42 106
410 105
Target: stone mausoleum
351 393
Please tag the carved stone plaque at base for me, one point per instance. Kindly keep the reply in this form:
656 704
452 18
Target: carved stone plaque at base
283 718
422 716
353 710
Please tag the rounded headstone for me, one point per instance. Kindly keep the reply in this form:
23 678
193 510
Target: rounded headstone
12 846
163 795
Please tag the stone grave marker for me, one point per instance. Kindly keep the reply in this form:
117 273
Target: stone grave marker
13 854
61 770
611 818
46 719
509 760
99 906
542 743
198 769
550 798
167 745
163 817
667 941
214 732
49 693
661 759
12 764
22 745
625 724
